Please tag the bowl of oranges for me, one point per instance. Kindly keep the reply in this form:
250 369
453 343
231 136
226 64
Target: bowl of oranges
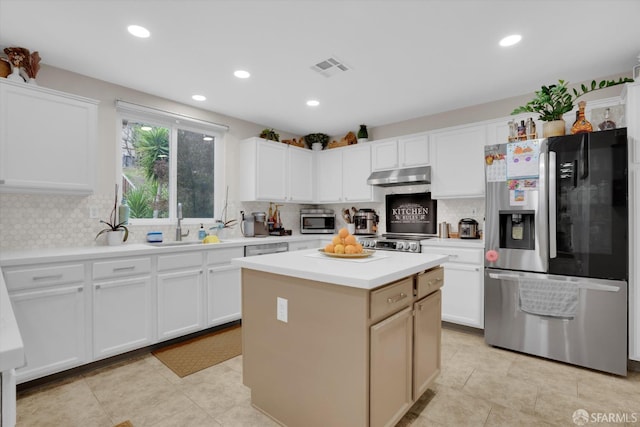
345 245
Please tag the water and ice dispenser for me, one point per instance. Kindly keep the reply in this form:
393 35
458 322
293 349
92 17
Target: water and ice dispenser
517 229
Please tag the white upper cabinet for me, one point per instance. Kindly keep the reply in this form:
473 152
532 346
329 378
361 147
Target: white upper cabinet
300 174
404 152
342 175
457 158
47 140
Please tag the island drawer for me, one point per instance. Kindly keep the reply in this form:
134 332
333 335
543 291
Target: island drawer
391 298
121 267
430 281
29 278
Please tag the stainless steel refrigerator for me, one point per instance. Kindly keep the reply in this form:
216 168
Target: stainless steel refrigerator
556 240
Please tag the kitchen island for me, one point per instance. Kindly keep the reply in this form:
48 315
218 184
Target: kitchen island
348 342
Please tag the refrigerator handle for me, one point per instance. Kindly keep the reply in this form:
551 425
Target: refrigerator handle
553 252
584 157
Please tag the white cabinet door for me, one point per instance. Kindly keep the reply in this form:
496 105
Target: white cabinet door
356 168
413 151
457 159
223 295
329 175
301 173
121 316
271 180
53 328
384 155
47 140
180 303
463 295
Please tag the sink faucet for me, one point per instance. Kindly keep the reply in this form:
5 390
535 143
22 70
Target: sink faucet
179 234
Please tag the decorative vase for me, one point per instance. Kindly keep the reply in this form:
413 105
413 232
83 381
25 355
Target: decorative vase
363 134
114 238
581 124
553 128
15 75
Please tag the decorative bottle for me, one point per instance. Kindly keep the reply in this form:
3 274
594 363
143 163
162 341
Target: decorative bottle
581 125
363 134
123 212
607 123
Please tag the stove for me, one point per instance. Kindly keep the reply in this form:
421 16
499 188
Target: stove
395 242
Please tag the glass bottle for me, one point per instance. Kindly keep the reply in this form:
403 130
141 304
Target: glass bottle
522 131
531 128
581 125
513 130
607 123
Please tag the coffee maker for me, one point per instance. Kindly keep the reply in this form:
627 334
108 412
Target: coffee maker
366 222
260 226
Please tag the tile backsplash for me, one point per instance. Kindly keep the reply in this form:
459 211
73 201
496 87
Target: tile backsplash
32 221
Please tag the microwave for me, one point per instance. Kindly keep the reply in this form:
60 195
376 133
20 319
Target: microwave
317 221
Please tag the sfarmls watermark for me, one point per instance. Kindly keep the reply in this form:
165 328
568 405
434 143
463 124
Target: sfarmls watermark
582 417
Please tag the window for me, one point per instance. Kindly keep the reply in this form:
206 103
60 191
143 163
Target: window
165 162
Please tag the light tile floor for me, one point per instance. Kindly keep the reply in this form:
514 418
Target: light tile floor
479 386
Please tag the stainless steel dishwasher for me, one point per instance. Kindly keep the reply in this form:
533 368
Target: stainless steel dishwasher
266 248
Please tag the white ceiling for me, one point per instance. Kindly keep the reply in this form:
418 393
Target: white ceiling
407 58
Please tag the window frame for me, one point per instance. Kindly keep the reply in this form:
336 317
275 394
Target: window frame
173 122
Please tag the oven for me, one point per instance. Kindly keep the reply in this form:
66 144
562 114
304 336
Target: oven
317 221
409 218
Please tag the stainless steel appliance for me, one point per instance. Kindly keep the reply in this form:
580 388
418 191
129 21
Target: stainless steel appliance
260 226
468 228
317 221
409 219
247 225
557 248
366 222
406 176
267 248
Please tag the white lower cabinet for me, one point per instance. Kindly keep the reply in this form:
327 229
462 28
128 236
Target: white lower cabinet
49 305
463 290
180 287
122 303
223 286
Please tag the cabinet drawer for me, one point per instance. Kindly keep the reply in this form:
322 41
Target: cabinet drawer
29 278
467 256
121 267
179 261
224 256
391 298
430 281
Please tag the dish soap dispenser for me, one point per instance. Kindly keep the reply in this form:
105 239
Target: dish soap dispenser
202 233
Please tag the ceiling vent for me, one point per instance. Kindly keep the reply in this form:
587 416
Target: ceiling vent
330 67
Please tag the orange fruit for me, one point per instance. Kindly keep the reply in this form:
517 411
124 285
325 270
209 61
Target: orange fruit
337 240
329 248
343 232
350 240
349 249
339 249
358 248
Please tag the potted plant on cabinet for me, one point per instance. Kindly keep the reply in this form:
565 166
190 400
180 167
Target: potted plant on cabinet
553 101
270 135
117 232
317 141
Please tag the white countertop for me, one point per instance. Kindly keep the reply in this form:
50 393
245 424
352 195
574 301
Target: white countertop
366 273
21 257
11 346
461 243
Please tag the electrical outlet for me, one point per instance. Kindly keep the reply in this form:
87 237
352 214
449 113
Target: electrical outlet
93 212
282 313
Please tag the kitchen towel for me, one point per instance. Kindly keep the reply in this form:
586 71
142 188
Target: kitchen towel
553 298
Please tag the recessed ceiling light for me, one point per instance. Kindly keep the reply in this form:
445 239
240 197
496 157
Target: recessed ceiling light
138 31
313 103
242 74
510 40
199 98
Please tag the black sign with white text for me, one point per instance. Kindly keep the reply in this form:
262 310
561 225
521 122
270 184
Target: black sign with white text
413 213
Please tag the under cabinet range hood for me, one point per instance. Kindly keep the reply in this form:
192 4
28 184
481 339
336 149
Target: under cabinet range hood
408 176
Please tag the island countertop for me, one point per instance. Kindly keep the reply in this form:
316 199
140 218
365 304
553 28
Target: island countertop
379 269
